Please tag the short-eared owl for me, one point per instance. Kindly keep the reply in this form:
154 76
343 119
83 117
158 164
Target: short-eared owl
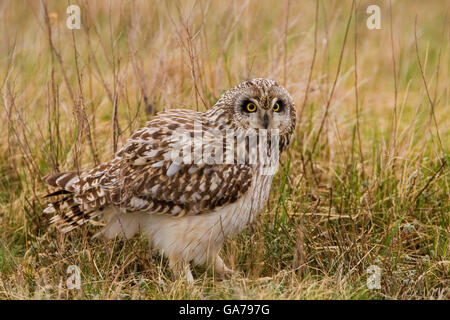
186 208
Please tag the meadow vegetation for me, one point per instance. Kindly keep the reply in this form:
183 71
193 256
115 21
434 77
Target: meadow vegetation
366 181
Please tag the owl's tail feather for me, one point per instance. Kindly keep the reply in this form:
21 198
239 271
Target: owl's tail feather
68 214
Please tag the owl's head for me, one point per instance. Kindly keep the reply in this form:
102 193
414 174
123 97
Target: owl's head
260 104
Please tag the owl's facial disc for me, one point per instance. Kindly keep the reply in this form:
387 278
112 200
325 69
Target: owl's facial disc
267 113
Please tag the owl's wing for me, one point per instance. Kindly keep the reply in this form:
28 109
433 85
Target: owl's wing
145 177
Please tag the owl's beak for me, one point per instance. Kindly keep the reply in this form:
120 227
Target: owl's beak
265 121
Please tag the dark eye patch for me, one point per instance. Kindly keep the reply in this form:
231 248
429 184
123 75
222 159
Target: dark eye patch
278 106
248 106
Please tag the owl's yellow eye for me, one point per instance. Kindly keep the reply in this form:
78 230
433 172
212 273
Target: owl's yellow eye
276 107
250 107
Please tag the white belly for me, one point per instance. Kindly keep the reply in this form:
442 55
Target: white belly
196 238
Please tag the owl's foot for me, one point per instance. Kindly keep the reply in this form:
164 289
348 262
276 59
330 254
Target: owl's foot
221 268
181 269
188 273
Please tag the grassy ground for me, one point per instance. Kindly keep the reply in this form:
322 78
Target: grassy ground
366 181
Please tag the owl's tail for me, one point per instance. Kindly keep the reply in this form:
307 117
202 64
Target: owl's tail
68 214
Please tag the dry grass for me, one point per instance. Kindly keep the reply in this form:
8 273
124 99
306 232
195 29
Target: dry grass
365 182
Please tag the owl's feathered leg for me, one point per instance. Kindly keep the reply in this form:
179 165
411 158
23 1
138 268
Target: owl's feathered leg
188 273
180 269
220 267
